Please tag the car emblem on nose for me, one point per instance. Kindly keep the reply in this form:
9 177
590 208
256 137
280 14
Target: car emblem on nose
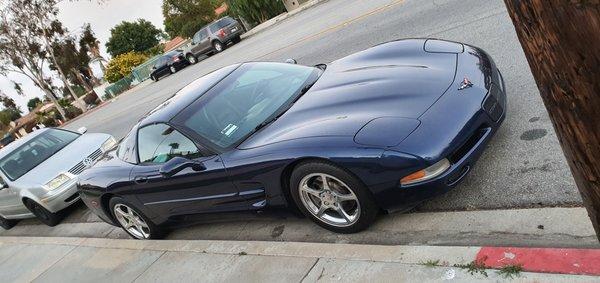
88 162
466 83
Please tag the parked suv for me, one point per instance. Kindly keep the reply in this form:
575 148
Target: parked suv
214 38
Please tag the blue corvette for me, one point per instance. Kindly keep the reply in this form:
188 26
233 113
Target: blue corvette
379 130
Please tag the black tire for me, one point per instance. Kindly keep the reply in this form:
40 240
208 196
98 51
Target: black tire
154 231
216 44
236 40
44 215
191 58
7 224
368 208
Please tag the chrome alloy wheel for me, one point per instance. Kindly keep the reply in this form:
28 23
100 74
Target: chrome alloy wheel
329 199
173 69
131 221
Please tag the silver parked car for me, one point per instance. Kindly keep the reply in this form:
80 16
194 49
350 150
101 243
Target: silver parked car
38 172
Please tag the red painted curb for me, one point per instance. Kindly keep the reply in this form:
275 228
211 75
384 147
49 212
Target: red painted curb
546 260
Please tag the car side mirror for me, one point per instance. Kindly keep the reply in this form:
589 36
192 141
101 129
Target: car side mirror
177 164
291 61
82 130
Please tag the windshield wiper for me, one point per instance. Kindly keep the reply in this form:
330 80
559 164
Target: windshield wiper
267 122
264 124
303 91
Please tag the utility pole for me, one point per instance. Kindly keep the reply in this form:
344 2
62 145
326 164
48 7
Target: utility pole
561 40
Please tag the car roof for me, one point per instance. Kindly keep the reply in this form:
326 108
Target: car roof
17 143
173 52
185 96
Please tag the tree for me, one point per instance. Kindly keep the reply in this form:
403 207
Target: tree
33 103
10 112
72 60
22 49
136 36
186 17
53 31
256 11
561 40
90 44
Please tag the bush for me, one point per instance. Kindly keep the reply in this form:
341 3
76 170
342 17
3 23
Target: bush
121 66
47 119
72 112
156 50
257 11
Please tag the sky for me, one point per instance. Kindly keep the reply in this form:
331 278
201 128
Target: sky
102 15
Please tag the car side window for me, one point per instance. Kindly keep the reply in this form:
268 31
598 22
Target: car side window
196 38
126 149
203 34
159 62
159 143
214 27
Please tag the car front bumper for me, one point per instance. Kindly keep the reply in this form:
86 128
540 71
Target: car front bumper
60 198
478 132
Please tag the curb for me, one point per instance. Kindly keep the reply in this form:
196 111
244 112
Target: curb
537 260
543 260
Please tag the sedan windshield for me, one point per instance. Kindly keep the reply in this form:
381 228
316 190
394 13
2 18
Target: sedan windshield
29 155
253 94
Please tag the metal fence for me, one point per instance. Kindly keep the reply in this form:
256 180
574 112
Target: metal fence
142 72
118 87
138 75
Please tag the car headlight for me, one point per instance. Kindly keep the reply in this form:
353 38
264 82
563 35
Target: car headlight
427 173
108 144
58 181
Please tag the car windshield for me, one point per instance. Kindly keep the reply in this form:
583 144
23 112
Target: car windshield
253 94
29 155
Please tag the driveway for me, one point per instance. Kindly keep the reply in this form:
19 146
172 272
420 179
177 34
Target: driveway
523 166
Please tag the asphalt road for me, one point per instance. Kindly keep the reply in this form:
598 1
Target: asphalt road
523 166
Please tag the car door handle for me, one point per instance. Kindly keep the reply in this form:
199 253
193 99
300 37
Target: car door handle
141 179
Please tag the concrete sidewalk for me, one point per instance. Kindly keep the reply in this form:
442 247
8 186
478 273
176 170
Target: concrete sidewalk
41 259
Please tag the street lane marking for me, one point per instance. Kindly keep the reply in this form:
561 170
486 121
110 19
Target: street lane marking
338 26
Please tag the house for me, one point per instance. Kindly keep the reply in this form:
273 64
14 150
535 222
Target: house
175 43
29 123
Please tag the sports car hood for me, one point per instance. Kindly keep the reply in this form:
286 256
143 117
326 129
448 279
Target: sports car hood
395 79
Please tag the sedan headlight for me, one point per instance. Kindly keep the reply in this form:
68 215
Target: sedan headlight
58 181
427 173
108 144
